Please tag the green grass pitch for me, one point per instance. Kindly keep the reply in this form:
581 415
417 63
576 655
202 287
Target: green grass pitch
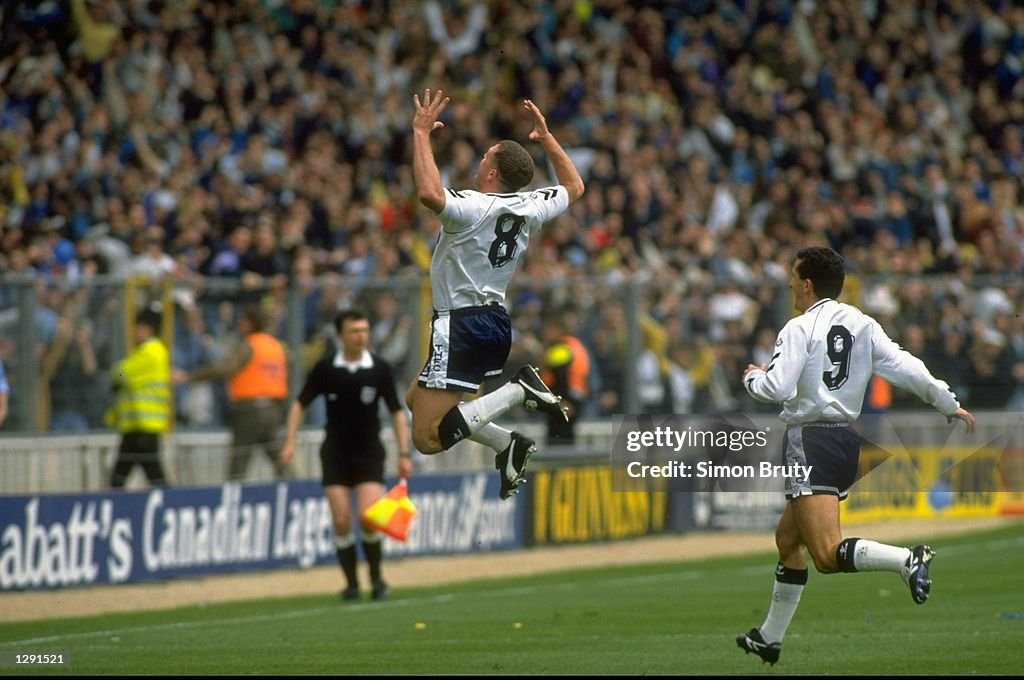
652 619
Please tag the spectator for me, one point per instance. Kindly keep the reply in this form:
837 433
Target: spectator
393 334
989 376
610 359
69 365
952 364
228 260
264 263
913 339
456 34
682 387
149 259
97 31
195 403
731 305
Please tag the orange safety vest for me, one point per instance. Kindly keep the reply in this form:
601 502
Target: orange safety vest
879 393
265 375
579 369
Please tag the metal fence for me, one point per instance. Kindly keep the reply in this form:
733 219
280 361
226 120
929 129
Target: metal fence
669 344
56 464
59 339
57 363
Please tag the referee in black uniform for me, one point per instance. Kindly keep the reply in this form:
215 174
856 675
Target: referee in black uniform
352 381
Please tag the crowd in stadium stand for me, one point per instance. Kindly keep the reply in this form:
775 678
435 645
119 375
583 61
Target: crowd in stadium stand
268 141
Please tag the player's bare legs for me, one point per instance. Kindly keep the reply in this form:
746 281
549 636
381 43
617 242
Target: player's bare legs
429 407
817 518
787 540
440 420
813 521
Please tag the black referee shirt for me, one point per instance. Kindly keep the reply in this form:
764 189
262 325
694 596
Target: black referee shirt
352 398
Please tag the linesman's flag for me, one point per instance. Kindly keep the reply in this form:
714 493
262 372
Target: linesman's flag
392 514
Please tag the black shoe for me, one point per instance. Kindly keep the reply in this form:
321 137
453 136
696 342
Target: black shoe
915 572
754 642
511 463
350 594
538 396
380 590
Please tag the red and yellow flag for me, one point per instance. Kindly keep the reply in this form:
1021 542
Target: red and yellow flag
392 514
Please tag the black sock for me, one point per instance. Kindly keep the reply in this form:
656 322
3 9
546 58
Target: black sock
844 555
796 577
453 428
372 550
347 560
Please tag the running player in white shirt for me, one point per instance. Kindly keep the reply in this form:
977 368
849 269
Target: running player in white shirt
482 237
823 362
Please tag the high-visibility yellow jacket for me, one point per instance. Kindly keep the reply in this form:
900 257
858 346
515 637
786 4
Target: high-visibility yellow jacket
143 389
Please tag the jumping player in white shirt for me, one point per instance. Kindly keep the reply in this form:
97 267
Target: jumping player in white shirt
823 362
482 237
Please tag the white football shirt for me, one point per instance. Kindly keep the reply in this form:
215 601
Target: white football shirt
482 238
824 359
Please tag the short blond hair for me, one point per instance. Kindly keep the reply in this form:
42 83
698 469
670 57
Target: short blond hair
515 165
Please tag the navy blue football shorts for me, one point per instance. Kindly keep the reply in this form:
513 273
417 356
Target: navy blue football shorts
467 346
832 450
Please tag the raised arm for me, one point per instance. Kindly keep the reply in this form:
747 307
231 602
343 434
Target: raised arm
567 174
424 167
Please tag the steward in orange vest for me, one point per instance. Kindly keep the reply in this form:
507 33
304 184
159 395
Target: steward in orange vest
566 372
257 381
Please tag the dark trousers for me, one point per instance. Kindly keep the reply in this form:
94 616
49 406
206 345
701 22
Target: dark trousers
138 448
256 424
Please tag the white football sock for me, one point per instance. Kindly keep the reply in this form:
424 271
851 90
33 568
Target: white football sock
872 556
494 436
480 412
785 598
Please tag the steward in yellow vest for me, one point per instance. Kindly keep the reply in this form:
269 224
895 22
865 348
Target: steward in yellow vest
142 402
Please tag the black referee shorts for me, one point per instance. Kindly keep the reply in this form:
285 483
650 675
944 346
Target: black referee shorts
342 465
